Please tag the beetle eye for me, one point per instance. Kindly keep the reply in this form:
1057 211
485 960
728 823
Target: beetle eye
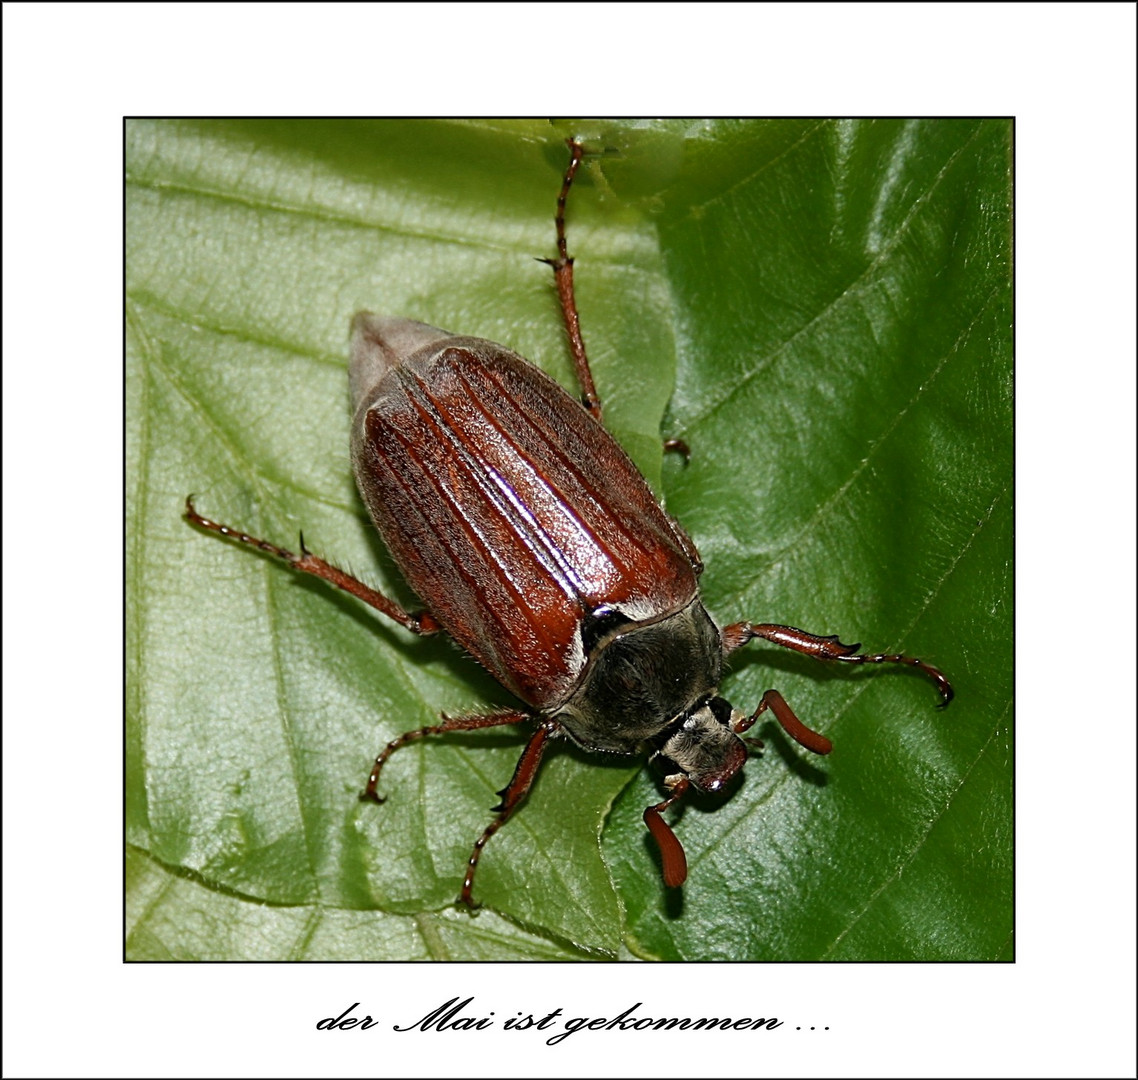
721 710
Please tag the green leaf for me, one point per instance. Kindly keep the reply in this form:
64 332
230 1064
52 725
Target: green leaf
175 916
843 293
830 304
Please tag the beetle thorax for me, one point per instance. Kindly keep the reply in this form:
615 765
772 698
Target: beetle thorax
642 679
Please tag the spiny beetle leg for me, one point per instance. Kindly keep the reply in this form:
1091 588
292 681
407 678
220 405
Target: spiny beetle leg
450 723
563 275
418 623
512 794
794 727
674 861
828 648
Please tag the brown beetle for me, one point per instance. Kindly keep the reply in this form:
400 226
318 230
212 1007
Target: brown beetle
538 546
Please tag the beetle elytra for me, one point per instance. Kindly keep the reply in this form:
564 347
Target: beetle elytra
534 541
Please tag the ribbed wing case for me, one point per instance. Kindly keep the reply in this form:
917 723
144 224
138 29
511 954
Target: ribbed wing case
510 511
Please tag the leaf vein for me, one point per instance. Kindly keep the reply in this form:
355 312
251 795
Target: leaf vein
920 840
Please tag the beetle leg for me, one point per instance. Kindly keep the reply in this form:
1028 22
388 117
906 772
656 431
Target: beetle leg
450 723
827 648
674 861
422 622
794 727
563 275
512 794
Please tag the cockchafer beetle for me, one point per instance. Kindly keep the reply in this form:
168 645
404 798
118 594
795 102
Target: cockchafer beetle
535 542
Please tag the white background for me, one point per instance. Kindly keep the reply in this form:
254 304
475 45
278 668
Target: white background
1066 72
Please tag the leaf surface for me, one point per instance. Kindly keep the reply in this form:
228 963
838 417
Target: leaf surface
822 310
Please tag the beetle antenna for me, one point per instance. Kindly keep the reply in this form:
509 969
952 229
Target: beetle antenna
674 861
794 727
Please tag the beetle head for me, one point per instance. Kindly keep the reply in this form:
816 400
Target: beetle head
704 747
